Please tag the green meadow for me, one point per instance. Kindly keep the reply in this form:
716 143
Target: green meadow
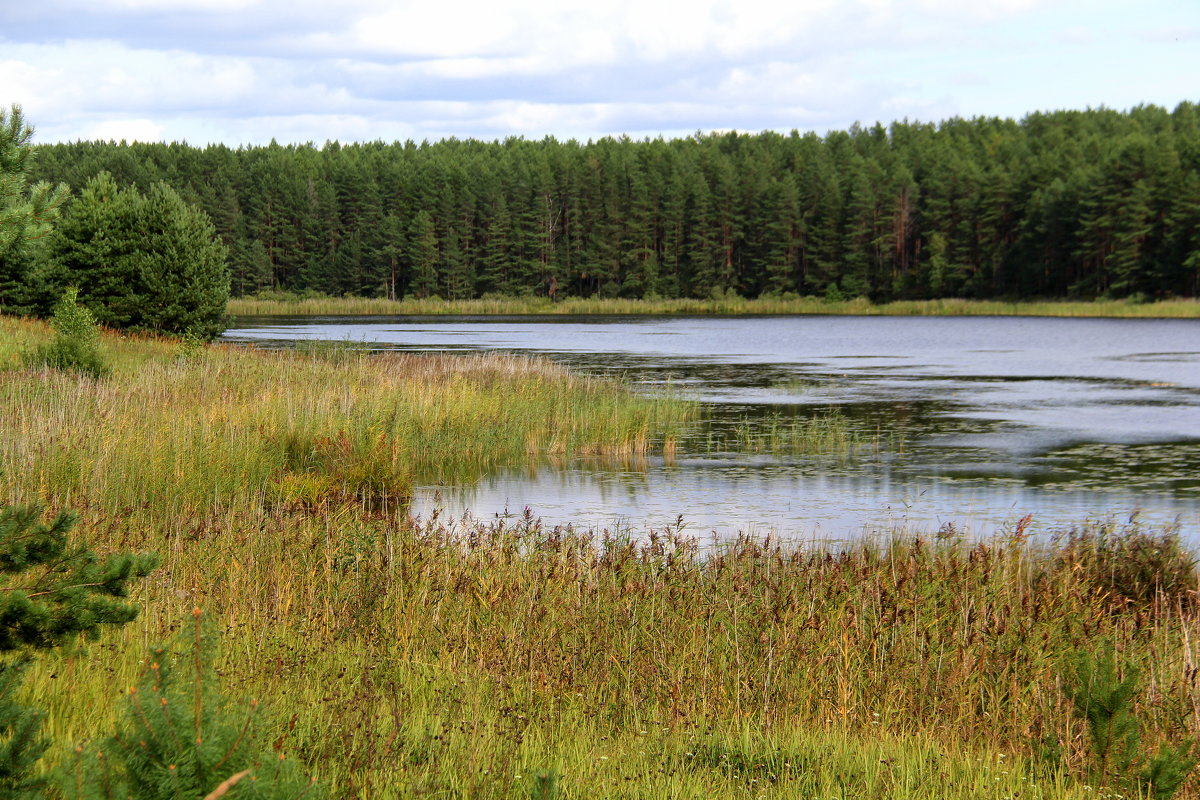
416 658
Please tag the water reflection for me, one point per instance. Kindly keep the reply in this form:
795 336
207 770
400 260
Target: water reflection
972 422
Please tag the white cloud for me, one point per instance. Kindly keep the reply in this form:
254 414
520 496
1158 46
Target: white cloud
298 70
130 130
441 29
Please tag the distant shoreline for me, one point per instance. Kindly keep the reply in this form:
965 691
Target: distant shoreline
359 306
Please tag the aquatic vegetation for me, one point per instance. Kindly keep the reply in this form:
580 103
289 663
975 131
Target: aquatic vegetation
825 432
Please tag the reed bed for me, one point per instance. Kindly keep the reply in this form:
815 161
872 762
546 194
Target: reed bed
404 658
408 658
231 429
728 305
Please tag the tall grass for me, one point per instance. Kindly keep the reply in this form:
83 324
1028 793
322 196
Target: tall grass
404 659
413 658
283 304
239 429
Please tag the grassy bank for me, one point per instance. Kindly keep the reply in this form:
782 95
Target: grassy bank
415 658
221 430
282 305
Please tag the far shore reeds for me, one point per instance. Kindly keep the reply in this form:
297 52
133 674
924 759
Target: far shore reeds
283 304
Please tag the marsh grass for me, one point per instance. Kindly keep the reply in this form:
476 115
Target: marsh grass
234 429
404 658
733 305
825 432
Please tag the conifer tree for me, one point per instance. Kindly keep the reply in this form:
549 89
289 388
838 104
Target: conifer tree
179 737
423 255
26 212
53 591
144 261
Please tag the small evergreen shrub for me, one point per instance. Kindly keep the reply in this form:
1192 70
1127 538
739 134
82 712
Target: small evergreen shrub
180 738
192 347
76 344
1103 695
53 591
21 742
545 787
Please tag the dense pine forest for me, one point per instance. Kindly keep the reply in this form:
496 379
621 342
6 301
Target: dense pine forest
1064 204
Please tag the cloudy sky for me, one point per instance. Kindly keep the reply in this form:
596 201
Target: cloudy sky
247 71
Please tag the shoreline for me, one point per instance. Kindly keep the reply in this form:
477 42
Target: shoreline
725 306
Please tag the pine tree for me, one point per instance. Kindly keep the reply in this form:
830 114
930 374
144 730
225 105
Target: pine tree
53 592
179 737
26 213
423 255
144 261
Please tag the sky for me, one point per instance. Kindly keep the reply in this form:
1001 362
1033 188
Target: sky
248 71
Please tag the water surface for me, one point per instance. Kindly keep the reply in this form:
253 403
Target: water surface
977 421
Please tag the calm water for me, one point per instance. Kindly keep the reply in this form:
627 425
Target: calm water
981 420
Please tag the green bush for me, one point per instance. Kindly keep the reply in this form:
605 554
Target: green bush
76 343
1103 694
52 592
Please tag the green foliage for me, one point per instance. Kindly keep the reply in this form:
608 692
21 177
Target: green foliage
1166 771
76 343
56 590
1080 204
1105 699
53 592
26 213
192 347
180 738
545 787
144 261
21 742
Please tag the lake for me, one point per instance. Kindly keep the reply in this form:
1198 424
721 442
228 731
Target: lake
974 422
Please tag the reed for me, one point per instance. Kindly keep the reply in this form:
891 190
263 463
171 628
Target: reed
405 657
461 658
282 304
234 429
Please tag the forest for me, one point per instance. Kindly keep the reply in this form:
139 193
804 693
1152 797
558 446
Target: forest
1065 204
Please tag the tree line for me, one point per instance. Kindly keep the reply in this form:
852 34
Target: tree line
1060 204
